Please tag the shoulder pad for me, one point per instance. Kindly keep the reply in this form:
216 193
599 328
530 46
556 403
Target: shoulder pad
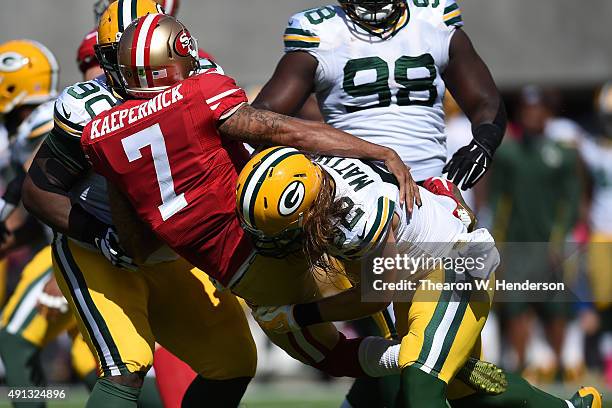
80 103
305 29
437 12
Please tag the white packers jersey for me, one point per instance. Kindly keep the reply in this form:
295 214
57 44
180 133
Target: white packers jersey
30 133
598 158
371 195
388 91
74 109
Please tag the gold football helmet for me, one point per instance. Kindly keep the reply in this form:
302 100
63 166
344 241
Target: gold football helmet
28 74
275 190
117 17
170 7
155 52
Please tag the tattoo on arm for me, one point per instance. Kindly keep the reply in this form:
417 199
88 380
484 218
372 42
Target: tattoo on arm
255 127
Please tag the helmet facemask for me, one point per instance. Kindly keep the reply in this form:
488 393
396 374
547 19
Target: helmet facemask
377 16
107 57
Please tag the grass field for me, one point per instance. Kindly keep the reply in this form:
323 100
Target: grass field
292 394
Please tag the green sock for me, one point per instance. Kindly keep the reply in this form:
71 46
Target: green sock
519 394
109 394
22 363
90 379
215 393
419 389
149 395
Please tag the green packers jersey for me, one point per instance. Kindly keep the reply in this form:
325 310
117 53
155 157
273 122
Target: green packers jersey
385 89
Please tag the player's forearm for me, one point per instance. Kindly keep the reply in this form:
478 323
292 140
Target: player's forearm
258 127
51 208
470 82
344 306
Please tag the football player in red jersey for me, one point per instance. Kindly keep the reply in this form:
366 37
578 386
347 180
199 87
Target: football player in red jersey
176 156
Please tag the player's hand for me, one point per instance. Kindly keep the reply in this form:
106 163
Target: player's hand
4 232
276 319
409 190
51 301
468 165
111 249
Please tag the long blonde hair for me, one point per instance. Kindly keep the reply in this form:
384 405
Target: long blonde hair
320 229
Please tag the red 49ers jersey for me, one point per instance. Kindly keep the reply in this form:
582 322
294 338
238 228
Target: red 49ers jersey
167 156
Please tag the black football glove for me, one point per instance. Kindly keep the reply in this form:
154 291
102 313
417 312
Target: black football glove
4 232
109 246
470 163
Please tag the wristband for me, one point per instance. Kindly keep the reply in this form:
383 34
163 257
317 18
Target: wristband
489 136
306 314
84 227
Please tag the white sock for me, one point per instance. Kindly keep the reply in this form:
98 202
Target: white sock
379 357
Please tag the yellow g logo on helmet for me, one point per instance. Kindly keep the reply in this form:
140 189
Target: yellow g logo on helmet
29 74
275 190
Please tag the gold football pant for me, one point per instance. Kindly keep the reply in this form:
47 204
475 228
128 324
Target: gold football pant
440 330
123 313
21 318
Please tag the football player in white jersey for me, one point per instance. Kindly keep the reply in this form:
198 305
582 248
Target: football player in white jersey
354 213
379 70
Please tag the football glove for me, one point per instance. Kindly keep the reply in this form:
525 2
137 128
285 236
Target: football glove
276 319
111 249
470 163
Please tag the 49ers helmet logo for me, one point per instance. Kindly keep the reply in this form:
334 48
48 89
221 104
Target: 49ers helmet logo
184 45
292 198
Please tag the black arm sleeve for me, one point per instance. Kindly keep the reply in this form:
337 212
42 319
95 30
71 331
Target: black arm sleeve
58 164
12 195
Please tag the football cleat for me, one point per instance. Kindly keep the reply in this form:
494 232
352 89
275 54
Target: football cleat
587 397
443 187
483 377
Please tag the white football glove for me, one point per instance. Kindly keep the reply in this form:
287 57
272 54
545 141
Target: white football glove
276 319
111 249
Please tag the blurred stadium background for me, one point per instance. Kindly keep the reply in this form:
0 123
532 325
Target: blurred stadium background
560 46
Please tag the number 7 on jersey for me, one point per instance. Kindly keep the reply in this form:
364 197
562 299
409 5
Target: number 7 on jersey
153 136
